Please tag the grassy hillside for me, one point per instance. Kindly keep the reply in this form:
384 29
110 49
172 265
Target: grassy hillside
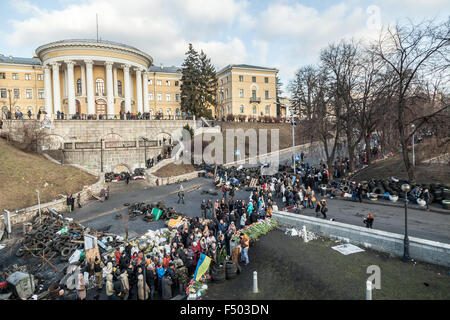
22 173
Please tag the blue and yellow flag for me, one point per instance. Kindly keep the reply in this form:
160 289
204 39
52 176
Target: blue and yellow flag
202 266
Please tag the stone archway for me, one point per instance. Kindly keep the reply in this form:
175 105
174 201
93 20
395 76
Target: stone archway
52 142
121 168
164 138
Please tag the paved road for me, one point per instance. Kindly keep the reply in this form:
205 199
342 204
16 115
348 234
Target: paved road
422 224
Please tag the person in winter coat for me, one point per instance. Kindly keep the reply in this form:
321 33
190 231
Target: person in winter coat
142 295
182 276
81 287
323 208
203 207
167 287
369 221
150 277
98 270
125 285
426 198
245 243
110 287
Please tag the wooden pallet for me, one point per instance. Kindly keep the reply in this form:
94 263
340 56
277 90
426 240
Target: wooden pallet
253 182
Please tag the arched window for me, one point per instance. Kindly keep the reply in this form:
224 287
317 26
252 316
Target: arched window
254 109
169 112
119 88
241 109
79 87
177 111
17 108
99 87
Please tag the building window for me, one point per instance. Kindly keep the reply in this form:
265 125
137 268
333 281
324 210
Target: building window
100 87
266 79
226 93
27 76
16 93
159 96
150 81
29 93
169 112
228 109
241 93
168 97
254 109
78 86
254 94
119 88
15 76
158 82
266 94
268 109
17 108
177 112
3 93
150 96
2 75
227 80
40 94
253 79
40 77
221 81
177 97
167 82
241 109
176 83
241 78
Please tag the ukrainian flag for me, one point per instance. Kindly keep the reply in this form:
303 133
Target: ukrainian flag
202 266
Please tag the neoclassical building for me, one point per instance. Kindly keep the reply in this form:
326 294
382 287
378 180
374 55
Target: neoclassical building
103 77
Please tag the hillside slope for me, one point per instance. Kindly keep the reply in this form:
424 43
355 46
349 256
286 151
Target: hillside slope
21 174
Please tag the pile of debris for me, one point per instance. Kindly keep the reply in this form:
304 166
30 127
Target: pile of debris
139 173
151 212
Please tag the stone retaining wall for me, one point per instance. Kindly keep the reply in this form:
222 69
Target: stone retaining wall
419 249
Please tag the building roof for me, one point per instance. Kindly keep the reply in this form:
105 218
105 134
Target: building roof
18 60
245 66
163 69
95 41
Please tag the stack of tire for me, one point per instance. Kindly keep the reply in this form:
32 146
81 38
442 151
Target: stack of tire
231 270
218 272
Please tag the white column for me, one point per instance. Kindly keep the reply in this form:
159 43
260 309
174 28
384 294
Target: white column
83 80
116 90
70 86
90 86
145 84
56 88
109 89
126 80
48 90
64 83
139 89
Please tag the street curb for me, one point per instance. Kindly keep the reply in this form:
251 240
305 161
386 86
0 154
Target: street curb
398 205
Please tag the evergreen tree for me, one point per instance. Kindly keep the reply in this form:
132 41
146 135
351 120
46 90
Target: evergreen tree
198 84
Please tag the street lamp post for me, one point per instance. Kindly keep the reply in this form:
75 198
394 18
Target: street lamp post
145 151
406 258
39 204
413 154
293 138
101 155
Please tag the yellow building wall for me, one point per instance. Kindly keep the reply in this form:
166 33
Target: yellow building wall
35 85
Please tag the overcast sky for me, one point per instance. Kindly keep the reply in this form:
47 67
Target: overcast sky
284 34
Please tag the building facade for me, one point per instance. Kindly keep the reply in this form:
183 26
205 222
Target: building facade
89 77
245 90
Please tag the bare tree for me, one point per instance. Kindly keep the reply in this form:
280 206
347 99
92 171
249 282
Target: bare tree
412 53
